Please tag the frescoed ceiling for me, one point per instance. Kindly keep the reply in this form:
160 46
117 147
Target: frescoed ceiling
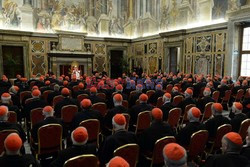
112 18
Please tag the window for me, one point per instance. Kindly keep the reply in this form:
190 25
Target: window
245 56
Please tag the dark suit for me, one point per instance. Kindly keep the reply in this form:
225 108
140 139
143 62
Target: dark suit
66 101
18 161
35 103
111 113
186 102
157 130
222 90
197 88
236 121
183 137
245 151
71 152
51 96
133 99
135 110
153 99
114 141
84 115
165 109
228 160
95 99
46 121
213 123
14 126
203 101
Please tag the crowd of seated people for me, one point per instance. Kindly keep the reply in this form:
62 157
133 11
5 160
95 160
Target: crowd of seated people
127 110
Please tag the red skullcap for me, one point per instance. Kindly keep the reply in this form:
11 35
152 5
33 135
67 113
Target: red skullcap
119 119
3 110
218 107
13 142
65 91
174 151
118 97
168 95
234 137
157 114
36 92
86 103
93 90
48 109
47 82
119 87
195 112
238 105
80 134
118 162
81 85
143 97
189 91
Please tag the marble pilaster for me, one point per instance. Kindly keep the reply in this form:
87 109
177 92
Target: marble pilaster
103 24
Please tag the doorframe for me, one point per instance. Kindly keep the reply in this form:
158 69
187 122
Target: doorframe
120 48
166 55
26 58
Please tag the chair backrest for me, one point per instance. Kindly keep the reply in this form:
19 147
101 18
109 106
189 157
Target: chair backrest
221 131
93 128
23 94
32 83
49 138
101 107
177 100
88 160
3 135
57 99
137 102
208 112
157 157
150 93
243 128
129 152
216 95
227 96
45 94
29 100
169 88
101 96
36 115
239 95
143 121
125 103
198 143
247 94
159 102
174 117
127 116
132 93
185 116
75 88
81 97
12 117
68 113
201 92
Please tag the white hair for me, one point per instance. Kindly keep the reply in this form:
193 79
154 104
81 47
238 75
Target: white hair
116 126
48 114
192 118
5 117
79 143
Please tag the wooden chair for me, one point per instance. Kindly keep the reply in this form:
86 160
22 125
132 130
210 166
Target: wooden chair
216 95
12 117
129 152
157 156
201 92
197 145
45 94
125 103
23 94
132 93
101 107
81 97
101 96
57 99
185 115
177 100
143 121
174 117
68 113
247 94
32 83
36 115
127 116
137 102
208 112
150 93
75 88
3 135
159 102
221 131
169 88
87 160
226 98
29 100
49 140
93 128
239 95
243 128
